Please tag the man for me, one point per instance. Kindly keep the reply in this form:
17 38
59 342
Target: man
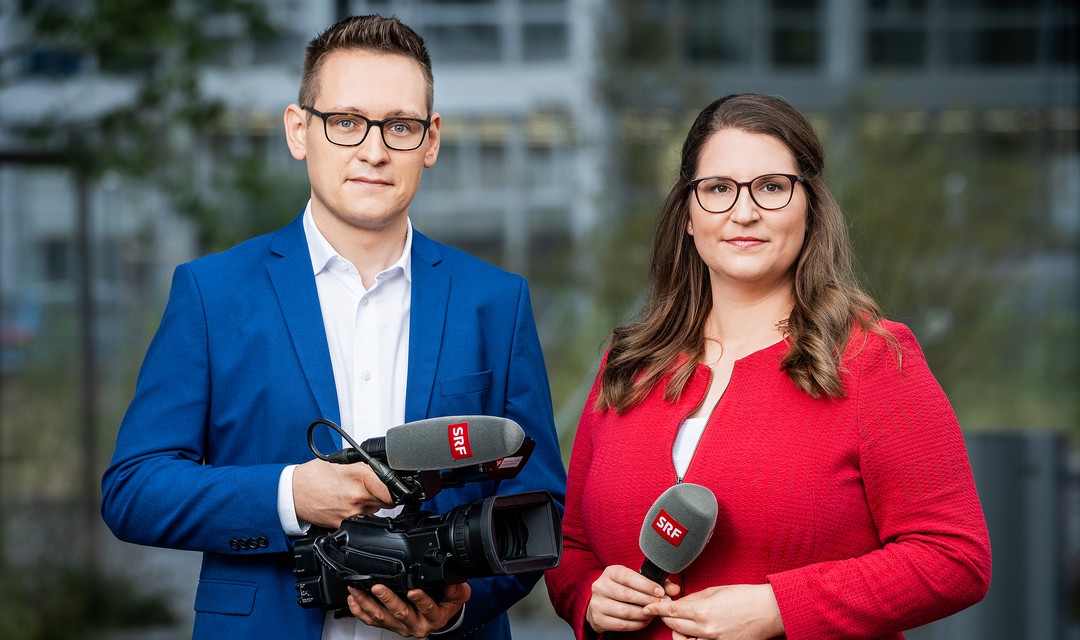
347 314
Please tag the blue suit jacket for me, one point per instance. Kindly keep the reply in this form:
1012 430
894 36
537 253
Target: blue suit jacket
240 367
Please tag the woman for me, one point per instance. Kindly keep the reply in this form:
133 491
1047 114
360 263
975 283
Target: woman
760 370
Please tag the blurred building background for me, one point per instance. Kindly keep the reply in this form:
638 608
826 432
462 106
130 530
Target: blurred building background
139 134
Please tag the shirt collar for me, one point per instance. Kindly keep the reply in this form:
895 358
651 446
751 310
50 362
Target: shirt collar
322 252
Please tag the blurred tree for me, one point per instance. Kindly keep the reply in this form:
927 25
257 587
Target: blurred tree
153 54
642 92
158 46
157 51
953 238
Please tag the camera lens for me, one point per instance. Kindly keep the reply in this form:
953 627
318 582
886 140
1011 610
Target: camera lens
511 536
506 534
466 523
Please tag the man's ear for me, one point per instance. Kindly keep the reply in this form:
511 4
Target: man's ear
433 140
296 131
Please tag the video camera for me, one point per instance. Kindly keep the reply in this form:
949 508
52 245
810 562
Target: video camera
417 549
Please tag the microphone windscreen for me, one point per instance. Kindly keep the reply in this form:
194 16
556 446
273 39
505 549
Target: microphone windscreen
451 442
678 526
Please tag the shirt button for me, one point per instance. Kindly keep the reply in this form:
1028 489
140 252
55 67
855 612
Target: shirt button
364 302
366 376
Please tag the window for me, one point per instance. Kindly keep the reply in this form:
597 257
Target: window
718 32
794 47
897 5
992 47
444 176
903 48
897 34
56 259
464 43
493 163
52 63
795 33
545 41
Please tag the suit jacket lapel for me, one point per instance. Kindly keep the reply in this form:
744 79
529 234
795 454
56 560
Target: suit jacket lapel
427 318
294 283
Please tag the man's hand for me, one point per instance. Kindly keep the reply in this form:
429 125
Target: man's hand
416 618
325 493
618 598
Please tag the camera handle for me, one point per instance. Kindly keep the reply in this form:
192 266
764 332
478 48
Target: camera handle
337 567
402 491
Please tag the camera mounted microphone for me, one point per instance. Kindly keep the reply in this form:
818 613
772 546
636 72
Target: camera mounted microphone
448 442
418 459
676 529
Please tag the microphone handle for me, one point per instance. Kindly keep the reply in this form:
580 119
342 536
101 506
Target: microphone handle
653 572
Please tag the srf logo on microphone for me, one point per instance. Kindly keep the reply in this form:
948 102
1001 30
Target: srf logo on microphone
669 528
458 434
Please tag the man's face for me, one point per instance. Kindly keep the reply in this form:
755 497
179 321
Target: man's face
369 186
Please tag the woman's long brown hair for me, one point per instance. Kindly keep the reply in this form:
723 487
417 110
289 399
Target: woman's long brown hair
828 301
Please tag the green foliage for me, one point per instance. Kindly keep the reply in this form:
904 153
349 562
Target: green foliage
157 49
951 240
247 201
127 36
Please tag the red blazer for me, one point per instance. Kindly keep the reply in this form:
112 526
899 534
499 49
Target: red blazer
861 512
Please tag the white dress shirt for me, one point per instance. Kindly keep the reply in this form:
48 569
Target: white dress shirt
367 331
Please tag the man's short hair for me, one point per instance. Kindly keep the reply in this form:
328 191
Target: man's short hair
371 33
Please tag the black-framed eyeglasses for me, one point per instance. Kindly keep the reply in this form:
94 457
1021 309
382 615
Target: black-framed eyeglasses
717 194
351 129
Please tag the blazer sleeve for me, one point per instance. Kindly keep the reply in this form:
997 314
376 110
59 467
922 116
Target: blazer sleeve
570 584
934 558
528 402
158 490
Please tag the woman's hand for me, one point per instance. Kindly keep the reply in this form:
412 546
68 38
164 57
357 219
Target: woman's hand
618 598
741 611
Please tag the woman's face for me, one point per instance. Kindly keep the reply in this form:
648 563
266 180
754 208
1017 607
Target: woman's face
748 246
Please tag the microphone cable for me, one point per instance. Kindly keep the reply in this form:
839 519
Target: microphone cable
401 490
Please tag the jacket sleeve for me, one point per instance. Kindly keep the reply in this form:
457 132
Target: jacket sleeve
935 554
158 490
528 402
570 584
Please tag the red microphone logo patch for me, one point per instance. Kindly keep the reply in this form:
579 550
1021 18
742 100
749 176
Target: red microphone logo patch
669 528
459 440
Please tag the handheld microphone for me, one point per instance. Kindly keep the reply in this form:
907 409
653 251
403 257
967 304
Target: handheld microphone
674 533
676 529
448 442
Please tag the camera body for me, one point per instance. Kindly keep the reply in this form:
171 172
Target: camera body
417 549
